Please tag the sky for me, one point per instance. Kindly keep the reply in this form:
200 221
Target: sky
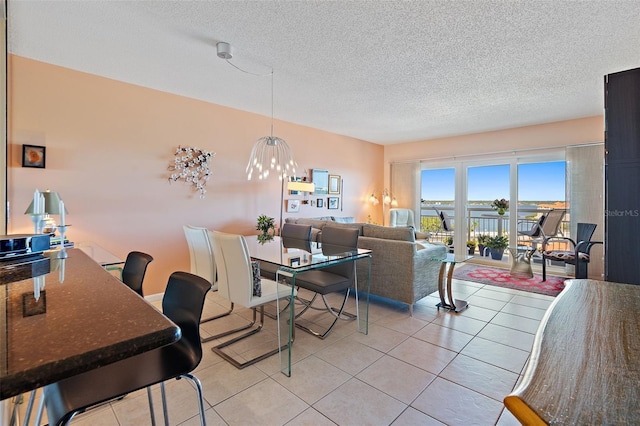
537 182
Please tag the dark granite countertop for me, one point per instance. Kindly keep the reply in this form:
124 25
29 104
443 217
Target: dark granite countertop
84 318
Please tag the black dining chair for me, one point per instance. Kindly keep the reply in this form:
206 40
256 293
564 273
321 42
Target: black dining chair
332 279
579 255
134 270
182 303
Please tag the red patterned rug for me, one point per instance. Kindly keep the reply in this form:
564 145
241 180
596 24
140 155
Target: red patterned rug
501 278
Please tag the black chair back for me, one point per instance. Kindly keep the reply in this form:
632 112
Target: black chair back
134 270
182 303
584 233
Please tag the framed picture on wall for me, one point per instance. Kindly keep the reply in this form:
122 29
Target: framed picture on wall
320 203
33 156
334 184
333 203
293 206
321 180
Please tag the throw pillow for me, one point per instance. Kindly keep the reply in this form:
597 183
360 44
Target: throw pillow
257 282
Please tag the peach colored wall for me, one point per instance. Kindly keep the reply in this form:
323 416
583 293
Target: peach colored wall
548 135
109 145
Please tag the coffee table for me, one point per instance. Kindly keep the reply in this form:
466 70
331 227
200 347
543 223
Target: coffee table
521 261
444 284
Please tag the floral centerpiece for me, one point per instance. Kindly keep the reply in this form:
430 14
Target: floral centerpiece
501 205
267 226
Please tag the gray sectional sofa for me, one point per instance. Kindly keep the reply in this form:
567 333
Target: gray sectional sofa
402 268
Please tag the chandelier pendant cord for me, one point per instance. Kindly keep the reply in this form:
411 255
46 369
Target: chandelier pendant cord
259 75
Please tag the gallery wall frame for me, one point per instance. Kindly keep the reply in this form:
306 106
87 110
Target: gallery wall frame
321 180
34 156
293 206
333 203
334 184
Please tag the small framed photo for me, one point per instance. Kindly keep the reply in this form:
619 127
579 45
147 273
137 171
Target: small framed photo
333 203
33 156
334 184
293 206
319 203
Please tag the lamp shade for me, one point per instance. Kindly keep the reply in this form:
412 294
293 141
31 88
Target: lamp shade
271 153
301 186
51 203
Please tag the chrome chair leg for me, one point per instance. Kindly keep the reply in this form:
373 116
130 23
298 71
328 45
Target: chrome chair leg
218 349
151 410
165 410
38 419
196 383
235 330
215 317
337 314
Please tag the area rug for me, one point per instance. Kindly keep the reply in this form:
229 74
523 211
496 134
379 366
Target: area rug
501 278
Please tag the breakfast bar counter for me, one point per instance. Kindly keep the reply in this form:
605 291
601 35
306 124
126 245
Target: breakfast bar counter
74 318
585 363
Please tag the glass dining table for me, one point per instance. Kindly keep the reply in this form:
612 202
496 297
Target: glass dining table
295 256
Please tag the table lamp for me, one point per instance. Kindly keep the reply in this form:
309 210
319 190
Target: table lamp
42 206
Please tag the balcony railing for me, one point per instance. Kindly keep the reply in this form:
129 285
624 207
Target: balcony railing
483 220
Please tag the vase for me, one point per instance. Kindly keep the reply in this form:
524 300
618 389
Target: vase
496 254
501 212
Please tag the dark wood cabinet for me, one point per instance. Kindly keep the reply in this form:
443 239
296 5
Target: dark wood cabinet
622 177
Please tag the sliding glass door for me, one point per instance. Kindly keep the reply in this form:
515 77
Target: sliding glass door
437 195
466 190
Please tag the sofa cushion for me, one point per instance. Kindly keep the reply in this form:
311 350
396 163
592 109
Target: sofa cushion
397 233
346 219
315 223
357 226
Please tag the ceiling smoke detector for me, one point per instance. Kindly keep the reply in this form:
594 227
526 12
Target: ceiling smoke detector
224 50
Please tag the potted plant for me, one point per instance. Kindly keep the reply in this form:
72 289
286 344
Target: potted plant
482 240
449 243
471 245
497 245
266 225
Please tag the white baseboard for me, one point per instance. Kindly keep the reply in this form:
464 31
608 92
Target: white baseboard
154 297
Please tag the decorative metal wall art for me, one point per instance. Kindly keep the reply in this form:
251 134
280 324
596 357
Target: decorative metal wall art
192 166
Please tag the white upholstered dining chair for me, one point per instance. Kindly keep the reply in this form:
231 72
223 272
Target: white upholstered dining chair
203 263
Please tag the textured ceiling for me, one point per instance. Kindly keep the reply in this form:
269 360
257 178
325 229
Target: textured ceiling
381 71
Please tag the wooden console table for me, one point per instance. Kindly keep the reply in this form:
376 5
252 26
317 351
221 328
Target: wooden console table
585 363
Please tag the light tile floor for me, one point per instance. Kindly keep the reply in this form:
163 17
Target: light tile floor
436 367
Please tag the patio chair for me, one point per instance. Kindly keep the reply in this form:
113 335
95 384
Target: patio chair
405 217
547 226
578 255
446 229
